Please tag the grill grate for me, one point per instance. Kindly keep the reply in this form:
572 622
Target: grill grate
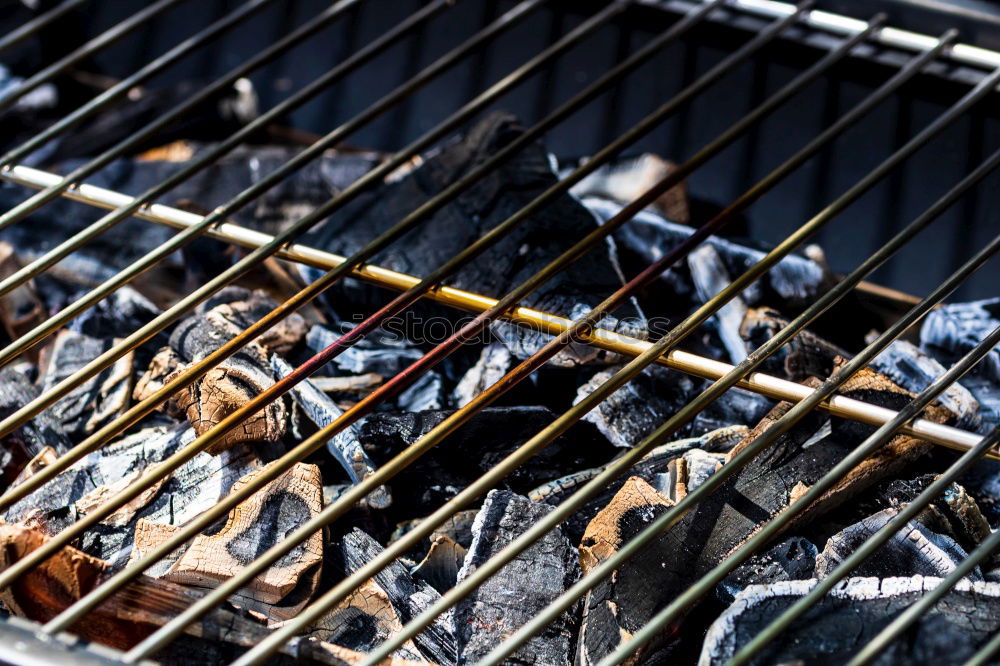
852 35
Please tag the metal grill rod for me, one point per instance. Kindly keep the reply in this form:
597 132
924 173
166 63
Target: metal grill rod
105 39
844 467
277 467
294 38
619 467
561 424
143 74
176 626
195 371
905 620
30 28
183 306
187 452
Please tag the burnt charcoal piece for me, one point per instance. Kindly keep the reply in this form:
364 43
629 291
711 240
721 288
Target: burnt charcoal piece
805 355
914 370
626 178
99 399
913 550
771 481
735 406
792 559
494 362
385 356
382 605
30 439
20 308
709 276
344 446
491 200
190 490
473 450
792 281
280 591
640 406
650 468
441 564
852 614
117 316
520 590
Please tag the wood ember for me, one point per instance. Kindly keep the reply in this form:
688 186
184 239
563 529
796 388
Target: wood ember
735 511
521 589
624 179
361 384
382 605
20 308
97 400
250 529
709 276
792 559
441 564
29 440
344 446
805 355
852 614
494 362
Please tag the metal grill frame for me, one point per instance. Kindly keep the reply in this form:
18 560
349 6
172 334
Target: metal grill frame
923 51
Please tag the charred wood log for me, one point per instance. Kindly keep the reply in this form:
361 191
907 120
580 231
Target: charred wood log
31 439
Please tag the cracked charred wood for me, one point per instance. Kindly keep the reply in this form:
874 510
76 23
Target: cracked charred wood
30 439
508 262
473 450
382 605
709 276
20 308
913 550
97 400
521 589
792 559
805 355
344 446
441 564
140 608
640 406
770 482
650 468
852 614
193 488
494 362
262 520
624 179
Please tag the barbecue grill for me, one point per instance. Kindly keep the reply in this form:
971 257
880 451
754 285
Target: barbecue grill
806 126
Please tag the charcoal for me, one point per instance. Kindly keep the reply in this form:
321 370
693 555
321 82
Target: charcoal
805 355
768 484
700 465
382 605
914 550
511 260
99 399
624 179
794 280
709 276
20 308
344 446
193 488
640 406
735 406
852 614
30 439
914 370
649 468
441 564
280 591
494 362
953 329
117 316
792 559
520 590
474 449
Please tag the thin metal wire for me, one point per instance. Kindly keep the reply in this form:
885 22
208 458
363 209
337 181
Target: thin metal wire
176 626
182 307
124 86
569 597
105 39
831 478
277 467
135 139
561 424
36 24
192 167
196 370
989 545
